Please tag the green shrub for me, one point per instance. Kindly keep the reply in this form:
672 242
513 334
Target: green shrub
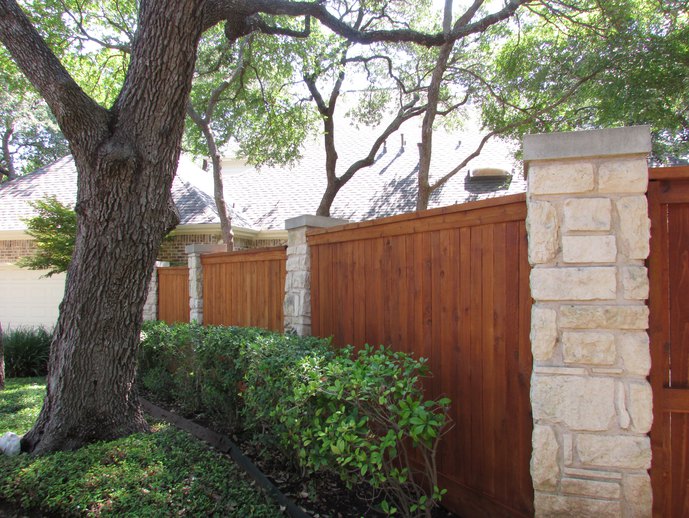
26 352
362 416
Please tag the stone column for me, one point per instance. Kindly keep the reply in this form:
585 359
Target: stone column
297 304
589 234
194 253
151 304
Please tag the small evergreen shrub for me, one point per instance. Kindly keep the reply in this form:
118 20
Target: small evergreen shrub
26 352
362 416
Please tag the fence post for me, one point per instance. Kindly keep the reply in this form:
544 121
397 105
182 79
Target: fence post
151 304
194 253
297 303
589 232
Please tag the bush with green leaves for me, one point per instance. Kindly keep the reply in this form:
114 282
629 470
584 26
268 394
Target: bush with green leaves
365 417
362 416
26 351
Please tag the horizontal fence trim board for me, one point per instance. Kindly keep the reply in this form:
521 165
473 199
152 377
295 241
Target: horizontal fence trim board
420 215
248 256
671 192
487 216
669 173
172 270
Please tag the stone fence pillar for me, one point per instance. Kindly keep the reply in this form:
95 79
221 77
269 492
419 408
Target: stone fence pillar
194 253
589 234
297 303
151 305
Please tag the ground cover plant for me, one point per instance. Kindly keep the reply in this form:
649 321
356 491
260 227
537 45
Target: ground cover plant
361 416
163 473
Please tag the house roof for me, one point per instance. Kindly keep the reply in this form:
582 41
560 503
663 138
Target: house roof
59 179
262 199
266 197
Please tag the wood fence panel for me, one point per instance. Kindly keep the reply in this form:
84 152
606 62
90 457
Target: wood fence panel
173 294
668 198
451 285
245 288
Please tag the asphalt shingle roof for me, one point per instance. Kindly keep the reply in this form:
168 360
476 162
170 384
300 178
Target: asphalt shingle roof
59 179
264 198
267 196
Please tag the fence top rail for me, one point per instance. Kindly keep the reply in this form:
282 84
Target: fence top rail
678 172
493 210
172 269
251 254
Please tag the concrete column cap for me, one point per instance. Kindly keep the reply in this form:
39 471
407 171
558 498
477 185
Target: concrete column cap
306 220
634 140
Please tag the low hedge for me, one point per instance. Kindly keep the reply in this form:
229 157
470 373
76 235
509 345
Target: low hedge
26 351
361 415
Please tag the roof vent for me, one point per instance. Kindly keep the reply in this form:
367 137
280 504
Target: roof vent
489 172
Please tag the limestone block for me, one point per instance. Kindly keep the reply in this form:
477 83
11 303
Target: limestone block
580 283
565 506
588 214
635 282
634 350
618 451
638 495
543 229
596 488
568 449
298 280
302 249
543 332
298 262
594 348
296 236
641 406
589 249
603 317
560 178
289 304
623 176
580 402
545 470
623 417
635 227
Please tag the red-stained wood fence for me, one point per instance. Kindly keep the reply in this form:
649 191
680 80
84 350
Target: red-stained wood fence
450 285
668 197
245 288
173 294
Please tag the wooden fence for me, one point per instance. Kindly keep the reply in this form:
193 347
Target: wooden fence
668 197
173 294
450 285
244 288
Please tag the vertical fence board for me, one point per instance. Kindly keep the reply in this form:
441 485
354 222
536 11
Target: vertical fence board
451 285
244 288
173 294
668 198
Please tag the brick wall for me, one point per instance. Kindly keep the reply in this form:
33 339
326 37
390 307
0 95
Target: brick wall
172 249
12 250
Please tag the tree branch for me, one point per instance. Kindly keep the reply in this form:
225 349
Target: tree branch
75 111
219 10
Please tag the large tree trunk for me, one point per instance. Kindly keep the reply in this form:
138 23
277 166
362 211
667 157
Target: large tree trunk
126 158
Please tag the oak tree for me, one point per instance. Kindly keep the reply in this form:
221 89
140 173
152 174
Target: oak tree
126 154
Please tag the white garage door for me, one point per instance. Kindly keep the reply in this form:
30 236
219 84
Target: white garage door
26 299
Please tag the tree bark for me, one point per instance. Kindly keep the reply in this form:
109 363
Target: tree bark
126 159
